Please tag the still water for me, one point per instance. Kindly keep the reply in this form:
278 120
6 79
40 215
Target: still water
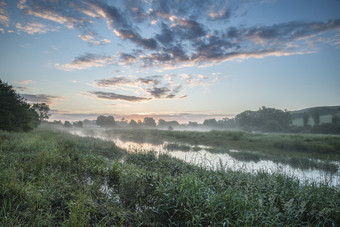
202 157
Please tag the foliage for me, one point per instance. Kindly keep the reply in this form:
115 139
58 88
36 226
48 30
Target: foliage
166 124
51 178
78 124
15 113
67 124
266 119
305 119
106 121
149 122
316 116
42 109
133 124
210 123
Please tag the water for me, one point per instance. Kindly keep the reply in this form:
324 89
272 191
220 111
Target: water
202 157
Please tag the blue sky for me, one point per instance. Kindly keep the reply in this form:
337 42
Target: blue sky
176 60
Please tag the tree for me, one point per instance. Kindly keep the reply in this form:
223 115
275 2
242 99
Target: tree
15 113
67 124
133 124
165 124
305 118
78 124
42 109
258 120
104 121
335 118
212 123
316 116
149 122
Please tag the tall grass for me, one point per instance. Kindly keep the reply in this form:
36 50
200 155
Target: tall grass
50 179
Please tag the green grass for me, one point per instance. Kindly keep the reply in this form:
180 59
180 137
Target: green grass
50 178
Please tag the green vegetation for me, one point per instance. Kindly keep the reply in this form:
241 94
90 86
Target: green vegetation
15 113
316 146
50 178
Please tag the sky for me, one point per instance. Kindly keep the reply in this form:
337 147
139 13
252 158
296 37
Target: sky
170 59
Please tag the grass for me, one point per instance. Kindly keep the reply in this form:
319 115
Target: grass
49 178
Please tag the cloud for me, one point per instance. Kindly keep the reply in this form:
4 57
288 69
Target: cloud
91 40
62 12
148 43
173 33
24 82
119 97
126 59
4 18
158 86
23 89
86 61
160 92
34 27
41 98
115 81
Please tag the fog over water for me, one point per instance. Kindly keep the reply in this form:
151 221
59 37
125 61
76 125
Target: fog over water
202 157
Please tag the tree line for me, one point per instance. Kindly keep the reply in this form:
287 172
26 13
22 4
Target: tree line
16 114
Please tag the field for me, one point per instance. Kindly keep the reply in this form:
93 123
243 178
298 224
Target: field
49 177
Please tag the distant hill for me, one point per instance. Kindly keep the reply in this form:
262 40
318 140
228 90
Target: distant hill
326 113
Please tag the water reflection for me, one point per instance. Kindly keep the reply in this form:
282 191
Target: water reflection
233 159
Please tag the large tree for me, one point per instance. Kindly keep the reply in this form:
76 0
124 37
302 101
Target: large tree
42 109
149 122
15 113
267 119
106 121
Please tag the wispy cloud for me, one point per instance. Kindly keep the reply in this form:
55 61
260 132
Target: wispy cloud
119 97
62 12
158 86
24 82
22 89
91 40
4 17
41 98
86 61
183 33
34 27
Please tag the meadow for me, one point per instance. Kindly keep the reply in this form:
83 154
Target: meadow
49 177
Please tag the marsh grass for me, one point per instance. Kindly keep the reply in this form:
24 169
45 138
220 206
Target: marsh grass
176 146
51 178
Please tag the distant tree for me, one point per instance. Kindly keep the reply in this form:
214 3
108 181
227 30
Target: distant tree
305 118
140 123
316 116
258 119
165 124
149 122
104 121
170 128
335 118
42 109
210 123
192 124
15 113
56 122
162 123
78 124
67 124
133 124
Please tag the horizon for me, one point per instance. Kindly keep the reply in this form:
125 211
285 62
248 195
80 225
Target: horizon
171 60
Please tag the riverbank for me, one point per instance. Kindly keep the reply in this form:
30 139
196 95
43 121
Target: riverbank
53 178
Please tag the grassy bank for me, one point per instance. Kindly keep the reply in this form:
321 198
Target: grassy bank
50 178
